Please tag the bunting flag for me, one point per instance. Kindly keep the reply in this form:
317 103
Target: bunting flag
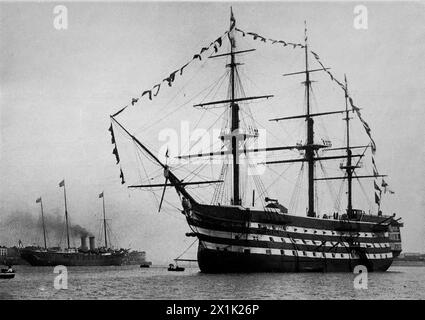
374 168
232 20
256 36
38 200
353 106
111 130
62 183
376 186
122 176
197 56
181 69
239 30
377 199
115 152
171 78
149 92
203 49
158 86
366 127
253 34
218 41
378 191
315 55
384 185
101 195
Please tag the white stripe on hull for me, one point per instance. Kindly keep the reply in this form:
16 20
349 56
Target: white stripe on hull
286 252
268 238
312 231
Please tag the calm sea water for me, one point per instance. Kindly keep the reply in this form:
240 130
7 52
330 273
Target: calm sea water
132 282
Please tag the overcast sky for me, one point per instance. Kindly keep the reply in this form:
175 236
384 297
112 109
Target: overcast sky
58 88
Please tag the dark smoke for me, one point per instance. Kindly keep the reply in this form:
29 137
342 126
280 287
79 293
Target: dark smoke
78 231
28 228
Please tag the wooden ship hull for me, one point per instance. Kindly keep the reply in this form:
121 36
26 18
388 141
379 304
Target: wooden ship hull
234 239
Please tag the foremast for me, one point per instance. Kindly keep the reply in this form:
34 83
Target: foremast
236 135
40 200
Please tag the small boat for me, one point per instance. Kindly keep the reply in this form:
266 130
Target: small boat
172 267
145 265
7 273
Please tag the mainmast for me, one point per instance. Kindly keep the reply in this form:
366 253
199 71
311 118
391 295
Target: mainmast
62 184
309 148
349 168
42 221
235 115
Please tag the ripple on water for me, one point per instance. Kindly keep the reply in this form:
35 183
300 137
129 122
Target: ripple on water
131 282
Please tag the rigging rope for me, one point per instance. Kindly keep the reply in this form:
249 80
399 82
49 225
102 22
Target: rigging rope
187 249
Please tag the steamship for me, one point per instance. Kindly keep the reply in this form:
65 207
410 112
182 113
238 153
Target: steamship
82 256
237 235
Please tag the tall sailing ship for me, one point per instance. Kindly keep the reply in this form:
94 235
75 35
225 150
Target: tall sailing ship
237 236
69 256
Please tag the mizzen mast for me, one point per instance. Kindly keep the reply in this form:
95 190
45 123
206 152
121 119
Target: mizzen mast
349 168
102 195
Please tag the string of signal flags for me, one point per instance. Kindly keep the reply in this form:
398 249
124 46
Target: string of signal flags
213 47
